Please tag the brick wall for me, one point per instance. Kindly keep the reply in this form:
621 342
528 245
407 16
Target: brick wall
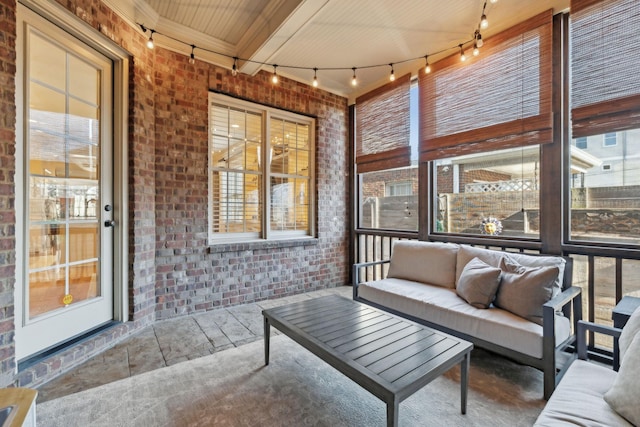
7 190
172 271
190 277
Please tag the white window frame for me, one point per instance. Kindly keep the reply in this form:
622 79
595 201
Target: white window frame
267 113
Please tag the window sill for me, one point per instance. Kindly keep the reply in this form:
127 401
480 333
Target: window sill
261 245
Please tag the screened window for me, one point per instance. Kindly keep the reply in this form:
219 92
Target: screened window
605 92
387 200
605 196
248 200
388 196
491 193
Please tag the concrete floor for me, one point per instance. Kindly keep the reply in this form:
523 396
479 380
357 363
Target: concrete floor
173 341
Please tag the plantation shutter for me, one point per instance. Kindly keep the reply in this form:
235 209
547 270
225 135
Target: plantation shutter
499 99
382 127
605 61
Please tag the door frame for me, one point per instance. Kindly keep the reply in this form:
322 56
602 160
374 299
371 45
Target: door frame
88 35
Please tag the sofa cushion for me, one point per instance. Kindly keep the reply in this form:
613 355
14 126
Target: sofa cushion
578 399
442 306
524 290
478 283
623 394
629 332
426 262
466 253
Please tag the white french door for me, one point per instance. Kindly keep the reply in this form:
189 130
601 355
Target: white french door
65 229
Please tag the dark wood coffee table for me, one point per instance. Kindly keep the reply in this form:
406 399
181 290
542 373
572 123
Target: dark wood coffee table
387 355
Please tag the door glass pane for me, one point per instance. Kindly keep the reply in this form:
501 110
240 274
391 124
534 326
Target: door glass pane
45 59
83 80
83 283
63 156
46 290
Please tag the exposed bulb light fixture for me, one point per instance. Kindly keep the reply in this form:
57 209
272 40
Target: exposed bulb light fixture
234 69
427 67
192 57
477 42
494 1
150 43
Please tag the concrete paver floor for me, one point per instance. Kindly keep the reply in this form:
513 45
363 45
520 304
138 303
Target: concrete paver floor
173 341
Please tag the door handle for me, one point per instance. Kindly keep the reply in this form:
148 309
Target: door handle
109 223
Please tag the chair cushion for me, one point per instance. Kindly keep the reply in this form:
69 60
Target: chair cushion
623 394
524 290
629 332
478 283
425 262
578 399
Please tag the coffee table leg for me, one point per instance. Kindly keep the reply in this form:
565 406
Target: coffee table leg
267 336
392 413
464 382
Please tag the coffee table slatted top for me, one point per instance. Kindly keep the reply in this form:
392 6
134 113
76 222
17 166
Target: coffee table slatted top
390 356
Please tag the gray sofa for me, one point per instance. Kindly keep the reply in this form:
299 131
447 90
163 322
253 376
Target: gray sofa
445 286
591 394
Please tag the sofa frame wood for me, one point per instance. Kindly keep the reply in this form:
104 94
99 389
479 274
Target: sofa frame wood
569 301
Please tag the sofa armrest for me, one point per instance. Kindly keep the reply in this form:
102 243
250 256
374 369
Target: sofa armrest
581 335
355 278
571 295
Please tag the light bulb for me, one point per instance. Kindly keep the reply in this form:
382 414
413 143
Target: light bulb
234 69
483 21
150 43
476 51
192 57
315 77
479 41
392 76
354 81
427 67
274 78
494 1
462 55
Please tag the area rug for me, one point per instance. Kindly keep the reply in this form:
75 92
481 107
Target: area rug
234 388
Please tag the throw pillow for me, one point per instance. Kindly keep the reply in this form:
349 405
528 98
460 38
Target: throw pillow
623 394
629 331
478 283
523 290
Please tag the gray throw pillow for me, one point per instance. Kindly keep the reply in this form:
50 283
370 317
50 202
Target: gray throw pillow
523 290
623 394
478 283
629 331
